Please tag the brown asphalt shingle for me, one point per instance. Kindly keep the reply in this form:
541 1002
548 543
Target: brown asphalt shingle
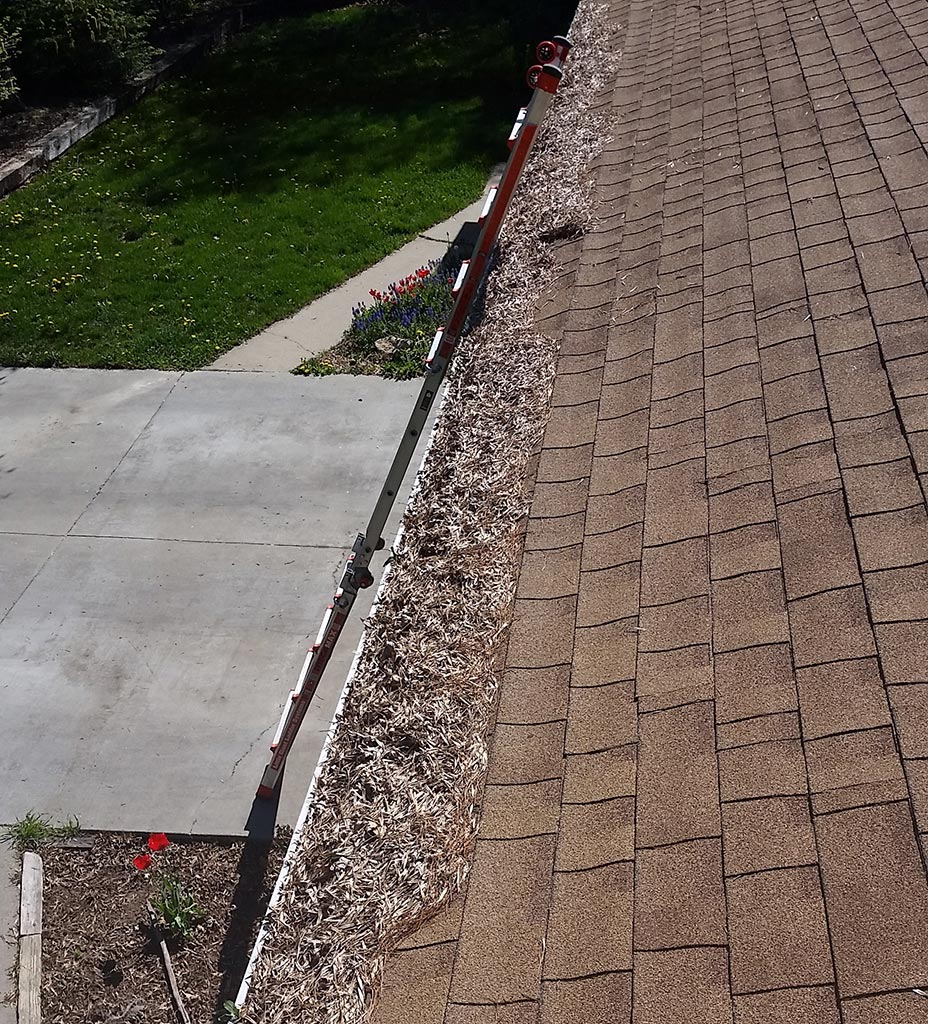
708 793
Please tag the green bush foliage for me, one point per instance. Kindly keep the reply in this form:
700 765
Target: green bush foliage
9 42
94 42
175 12
47 47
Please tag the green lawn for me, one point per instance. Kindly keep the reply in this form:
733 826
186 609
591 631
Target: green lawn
305 152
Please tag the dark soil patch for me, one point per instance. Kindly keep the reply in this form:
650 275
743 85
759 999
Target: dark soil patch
20 129
99 960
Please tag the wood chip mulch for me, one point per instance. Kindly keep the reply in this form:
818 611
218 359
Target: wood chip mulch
100 962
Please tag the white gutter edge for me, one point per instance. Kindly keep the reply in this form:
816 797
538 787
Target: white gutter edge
323 755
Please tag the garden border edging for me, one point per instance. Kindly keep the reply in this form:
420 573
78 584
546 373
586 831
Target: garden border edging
29 1007
39 157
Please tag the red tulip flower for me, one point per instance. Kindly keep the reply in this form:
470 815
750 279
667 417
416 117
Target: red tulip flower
143 861
158 841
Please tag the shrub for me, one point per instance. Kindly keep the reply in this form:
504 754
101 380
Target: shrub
9 42
95 42
174 12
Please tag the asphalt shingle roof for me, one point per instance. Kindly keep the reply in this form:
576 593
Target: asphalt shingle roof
709 775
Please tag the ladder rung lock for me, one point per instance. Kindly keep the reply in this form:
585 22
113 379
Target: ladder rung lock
488 205
462 273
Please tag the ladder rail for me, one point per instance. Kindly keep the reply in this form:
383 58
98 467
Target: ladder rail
356 575
479 264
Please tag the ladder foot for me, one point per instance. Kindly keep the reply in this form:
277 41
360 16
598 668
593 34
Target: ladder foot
363 578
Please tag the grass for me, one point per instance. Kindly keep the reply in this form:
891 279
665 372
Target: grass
304 153
33 831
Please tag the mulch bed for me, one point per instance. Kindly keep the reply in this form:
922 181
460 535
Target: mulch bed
20 129
99 959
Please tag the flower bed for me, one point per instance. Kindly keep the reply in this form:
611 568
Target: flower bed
391 336
100 957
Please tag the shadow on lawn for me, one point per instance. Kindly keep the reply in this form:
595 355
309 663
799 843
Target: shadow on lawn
328 87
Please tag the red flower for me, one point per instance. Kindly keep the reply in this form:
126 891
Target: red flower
143 861
422 272
400 289
158 841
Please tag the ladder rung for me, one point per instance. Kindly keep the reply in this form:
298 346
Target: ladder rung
517 127
488 205
325 625
275 742
462 273
435 343
307 661
303 673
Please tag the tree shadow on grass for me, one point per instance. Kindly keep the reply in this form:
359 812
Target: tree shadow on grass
356 91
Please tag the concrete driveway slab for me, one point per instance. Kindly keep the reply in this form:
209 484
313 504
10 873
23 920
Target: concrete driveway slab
141 681
23 556
62 433
268 458
146 653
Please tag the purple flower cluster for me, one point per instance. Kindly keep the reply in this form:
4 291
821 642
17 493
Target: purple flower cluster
412 308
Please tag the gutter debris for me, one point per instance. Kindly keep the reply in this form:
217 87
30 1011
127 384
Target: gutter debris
393 817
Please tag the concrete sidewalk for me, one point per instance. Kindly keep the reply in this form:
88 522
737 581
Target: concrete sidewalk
169 545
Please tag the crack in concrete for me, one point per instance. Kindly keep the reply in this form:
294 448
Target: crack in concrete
235 766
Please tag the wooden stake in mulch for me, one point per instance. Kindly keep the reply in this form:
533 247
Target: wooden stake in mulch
176 997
